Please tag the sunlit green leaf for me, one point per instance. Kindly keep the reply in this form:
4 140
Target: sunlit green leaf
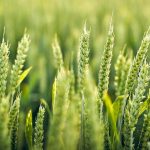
28 129
23 76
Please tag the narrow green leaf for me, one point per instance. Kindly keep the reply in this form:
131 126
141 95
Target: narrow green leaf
23 76
117 105
143 107
111 116
54 93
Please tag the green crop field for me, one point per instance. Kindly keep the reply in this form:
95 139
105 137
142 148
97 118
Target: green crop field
74 75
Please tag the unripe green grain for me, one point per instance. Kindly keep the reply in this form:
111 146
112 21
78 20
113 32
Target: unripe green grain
145 135
134 69
59 112
39 132
133 74
121 68
105 67
57 53
14 122
16 71
93 128
82 67
72 124
4 51
131 112
4 133
83 56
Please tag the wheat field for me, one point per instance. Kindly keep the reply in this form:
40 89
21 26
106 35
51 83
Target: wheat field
74 75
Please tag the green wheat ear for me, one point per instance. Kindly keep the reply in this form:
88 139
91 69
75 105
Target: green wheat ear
57 53
134 69
4 132
72 84
133 73
4 58
23 47
82 67
145 136
28 129
72 124
132 109
93 127
105 67
83 56
60 109
14 122
39 131
121 70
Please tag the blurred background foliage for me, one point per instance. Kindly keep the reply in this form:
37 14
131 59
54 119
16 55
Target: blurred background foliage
45 18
